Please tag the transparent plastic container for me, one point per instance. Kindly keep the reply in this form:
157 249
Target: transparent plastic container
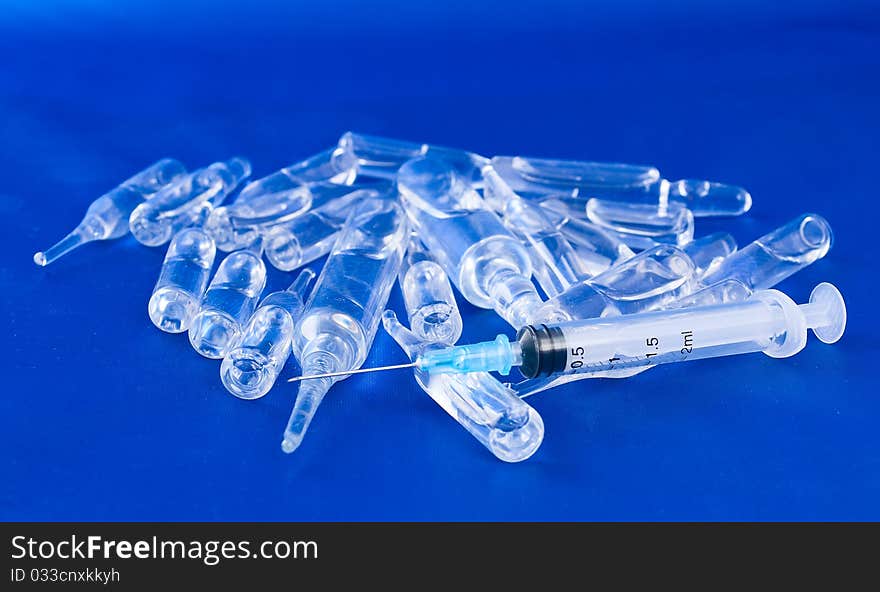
237 225
229 301
490 266
574 178
556 265
776 255
382 157
597 248
710 251
331 167
186 202
250 369
491 412
633 184
427 294
345 307
647 281
308 237
639 226
107 216
182 280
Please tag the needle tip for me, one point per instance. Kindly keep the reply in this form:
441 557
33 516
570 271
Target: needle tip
40 258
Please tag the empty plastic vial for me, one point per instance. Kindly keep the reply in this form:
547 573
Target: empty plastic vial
490 266
556 265
493 413
107 216
427 294
638 225
344 309
763 263
647 281
229 301
708 252
239 224
382 157
182 281
250 368
597 249
776 255
619 182
717 293
532 177
186 201
310 236
336 166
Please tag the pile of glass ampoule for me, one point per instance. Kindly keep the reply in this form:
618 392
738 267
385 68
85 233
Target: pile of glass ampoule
594 264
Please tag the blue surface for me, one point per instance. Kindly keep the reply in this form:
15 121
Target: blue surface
102 417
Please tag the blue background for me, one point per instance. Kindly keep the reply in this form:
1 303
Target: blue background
102 417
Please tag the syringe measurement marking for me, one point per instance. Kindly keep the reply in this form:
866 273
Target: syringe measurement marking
652 341
577 351
687 348
688 338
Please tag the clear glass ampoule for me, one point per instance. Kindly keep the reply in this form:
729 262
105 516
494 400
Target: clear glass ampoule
491 412
382 157
228 303
343 312
186 201
310 236
708 252
533 177
720 292
598 250
776 255
647 281
249 369
638 225
335 166
491 267
182 281
239 224
107 216
427 294
632 184
556 265
763 263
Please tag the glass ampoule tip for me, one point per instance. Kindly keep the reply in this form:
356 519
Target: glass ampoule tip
61 248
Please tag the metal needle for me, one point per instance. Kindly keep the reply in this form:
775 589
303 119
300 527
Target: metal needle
347 372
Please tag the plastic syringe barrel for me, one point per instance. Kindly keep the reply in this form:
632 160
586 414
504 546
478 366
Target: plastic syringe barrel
769 322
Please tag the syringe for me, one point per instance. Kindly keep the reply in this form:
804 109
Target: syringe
769 322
